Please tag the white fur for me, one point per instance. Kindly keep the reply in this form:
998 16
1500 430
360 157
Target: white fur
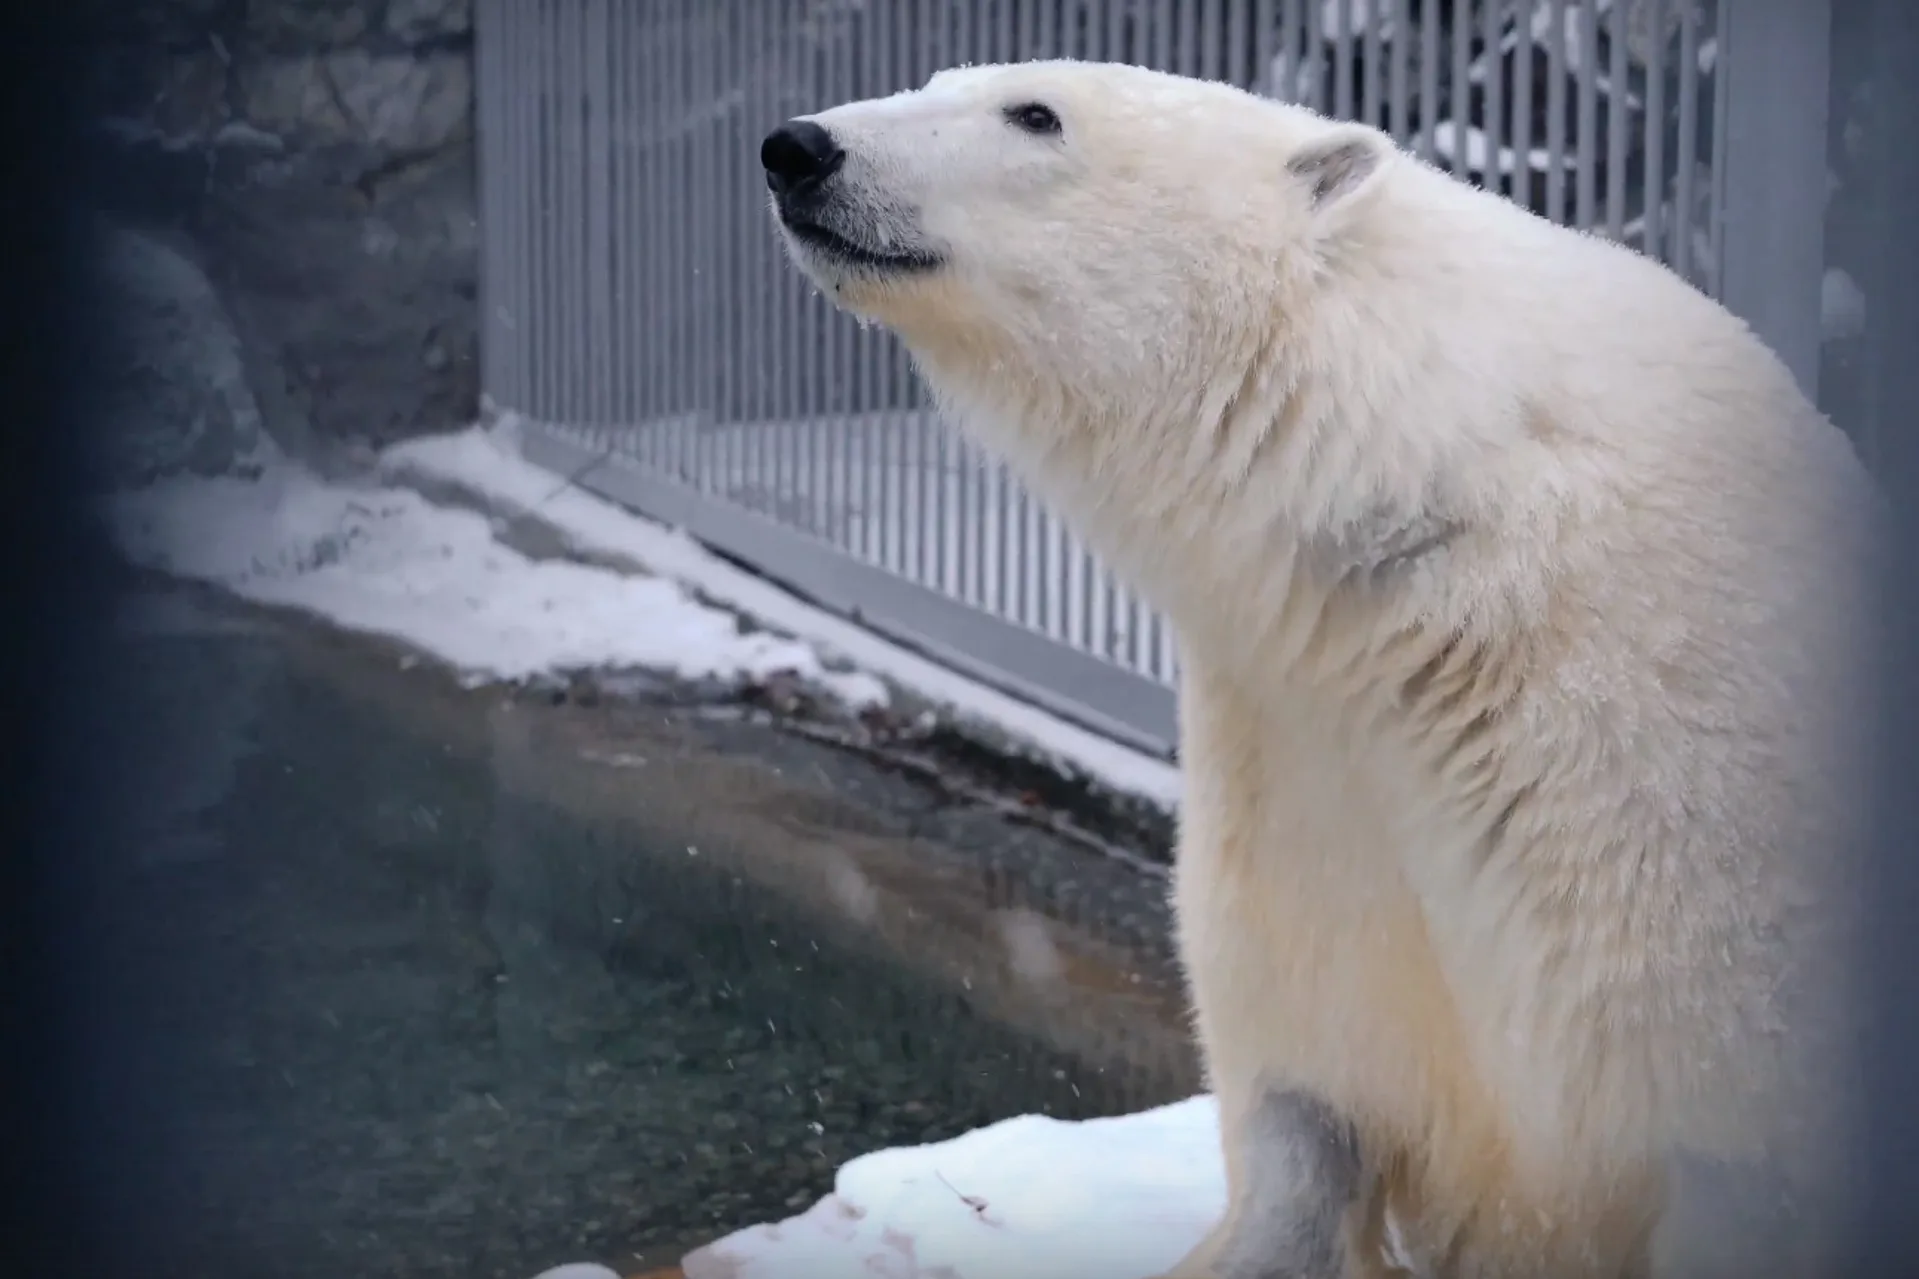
1520 596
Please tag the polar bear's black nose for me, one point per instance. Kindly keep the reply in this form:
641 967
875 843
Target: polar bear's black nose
798 154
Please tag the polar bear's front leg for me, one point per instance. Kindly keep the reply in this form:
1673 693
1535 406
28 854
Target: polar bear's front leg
1280 953
1295 1176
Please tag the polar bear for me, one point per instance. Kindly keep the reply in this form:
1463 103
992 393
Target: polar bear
1522 601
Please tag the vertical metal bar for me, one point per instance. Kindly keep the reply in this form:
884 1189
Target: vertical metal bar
537 318
1618 88
1685 215
1774 58
815 346
536 147
1105 613
1186 37
1399 92
791 288
1016 506
552 261
1714 257
1211 39
1589 71
1556 72
826 347
725 288
721 278
747 250
670 179
920 52
1313 55
709 452
754 71
552 238
1343 58
888 31
1461 115
490 88
1259 25
695 124
1132 626
850 335
509 195
767 110
585 220
663 240
649 334
1000 558
722 291
872 424
1493 85
1376 68
511 60
620 239
1428 72
575 229
1162 648
946 548
713 462
686 260
1523 56
1652 199
600 209
970 519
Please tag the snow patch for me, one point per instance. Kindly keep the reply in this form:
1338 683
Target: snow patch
386 561
1033 1197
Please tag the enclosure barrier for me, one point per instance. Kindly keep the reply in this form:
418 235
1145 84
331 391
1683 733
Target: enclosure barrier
640 318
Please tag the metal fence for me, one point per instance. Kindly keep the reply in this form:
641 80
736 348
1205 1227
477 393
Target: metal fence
641 320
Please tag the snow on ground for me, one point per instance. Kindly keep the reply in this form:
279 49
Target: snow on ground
486 461
1027 1198
384 560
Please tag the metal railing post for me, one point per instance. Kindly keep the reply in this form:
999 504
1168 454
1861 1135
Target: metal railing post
1773 64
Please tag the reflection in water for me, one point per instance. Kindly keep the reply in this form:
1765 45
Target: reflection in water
443 995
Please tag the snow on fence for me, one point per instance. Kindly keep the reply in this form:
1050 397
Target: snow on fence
641 321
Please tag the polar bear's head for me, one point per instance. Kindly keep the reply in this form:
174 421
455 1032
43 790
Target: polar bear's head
1105 274
1088 206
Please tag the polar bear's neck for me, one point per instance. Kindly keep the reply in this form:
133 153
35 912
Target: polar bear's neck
1247 500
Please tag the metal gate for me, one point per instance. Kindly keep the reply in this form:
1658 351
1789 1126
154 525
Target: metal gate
640 317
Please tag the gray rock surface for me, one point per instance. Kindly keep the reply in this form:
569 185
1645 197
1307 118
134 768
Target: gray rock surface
304 170
171 375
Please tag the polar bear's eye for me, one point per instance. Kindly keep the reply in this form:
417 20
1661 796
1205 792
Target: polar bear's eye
1034 117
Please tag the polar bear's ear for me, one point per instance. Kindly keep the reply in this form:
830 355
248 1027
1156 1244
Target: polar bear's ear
1339 167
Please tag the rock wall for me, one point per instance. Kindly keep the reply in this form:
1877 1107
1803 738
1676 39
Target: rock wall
285 188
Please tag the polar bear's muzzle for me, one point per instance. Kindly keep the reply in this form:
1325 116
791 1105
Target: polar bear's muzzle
829 219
